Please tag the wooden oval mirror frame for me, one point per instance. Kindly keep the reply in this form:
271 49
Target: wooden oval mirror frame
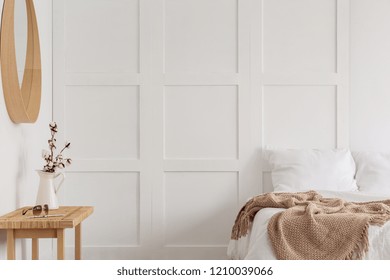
23 103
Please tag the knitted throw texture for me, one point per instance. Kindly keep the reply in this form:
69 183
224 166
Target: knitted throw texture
313 227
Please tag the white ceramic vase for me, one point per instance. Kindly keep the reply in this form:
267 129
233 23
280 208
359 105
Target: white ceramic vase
47 191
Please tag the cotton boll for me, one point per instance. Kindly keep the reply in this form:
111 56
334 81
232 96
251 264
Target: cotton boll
45 154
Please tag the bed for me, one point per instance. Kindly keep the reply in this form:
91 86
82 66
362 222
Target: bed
353 177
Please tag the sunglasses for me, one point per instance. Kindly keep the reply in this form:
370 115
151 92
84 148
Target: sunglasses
37 210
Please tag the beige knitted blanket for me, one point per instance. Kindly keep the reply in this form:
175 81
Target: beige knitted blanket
313 227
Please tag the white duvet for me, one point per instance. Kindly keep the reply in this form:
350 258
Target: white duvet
256 245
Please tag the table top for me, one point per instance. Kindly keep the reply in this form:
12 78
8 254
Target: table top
74 215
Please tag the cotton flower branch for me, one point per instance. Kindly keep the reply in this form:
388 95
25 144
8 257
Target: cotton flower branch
53 162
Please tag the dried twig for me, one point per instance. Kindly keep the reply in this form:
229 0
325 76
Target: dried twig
58 161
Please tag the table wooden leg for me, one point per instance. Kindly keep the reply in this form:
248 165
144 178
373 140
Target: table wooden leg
10 244
77 252
60 244
35 248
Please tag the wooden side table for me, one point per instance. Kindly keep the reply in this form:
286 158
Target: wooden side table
19 226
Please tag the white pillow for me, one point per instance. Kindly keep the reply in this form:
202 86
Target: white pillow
302 170
373 172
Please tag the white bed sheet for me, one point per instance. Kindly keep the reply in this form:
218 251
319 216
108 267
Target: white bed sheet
257 246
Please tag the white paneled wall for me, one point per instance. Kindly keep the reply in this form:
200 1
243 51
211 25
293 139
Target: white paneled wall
299 36
168 104
201 122
316 120
200 36
305 69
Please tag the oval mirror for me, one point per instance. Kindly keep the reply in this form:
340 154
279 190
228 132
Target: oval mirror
21 63
20 25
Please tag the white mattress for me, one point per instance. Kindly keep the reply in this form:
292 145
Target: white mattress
256 245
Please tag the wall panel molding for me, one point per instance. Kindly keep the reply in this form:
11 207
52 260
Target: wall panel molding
204 104
338 78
